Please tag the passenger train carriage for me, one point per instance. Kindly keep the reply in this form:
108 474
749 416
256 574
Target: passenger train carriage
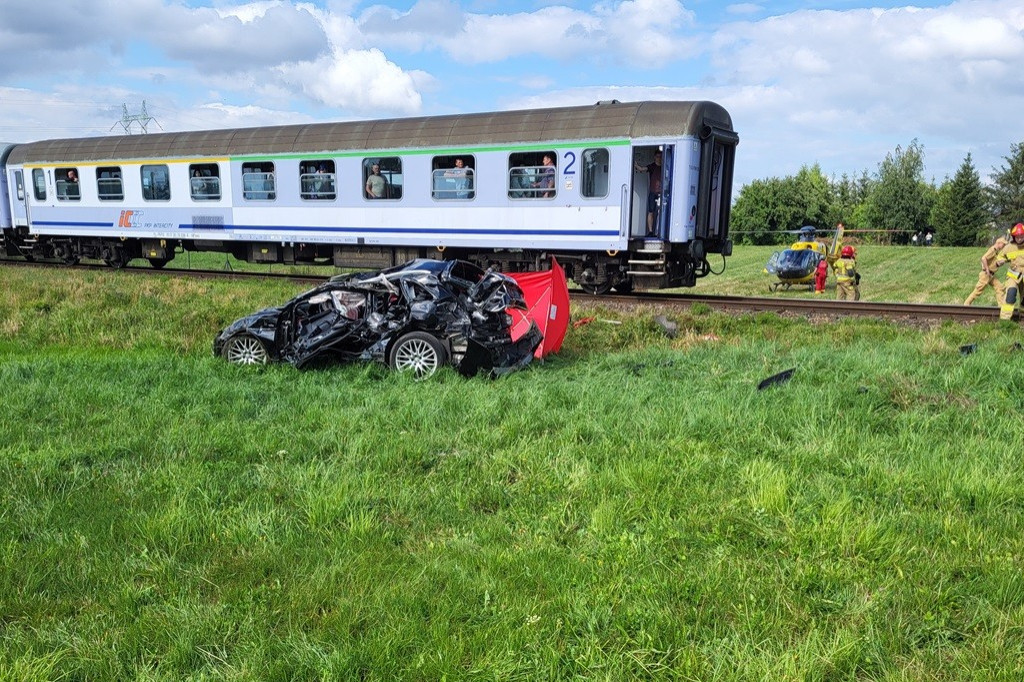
508 189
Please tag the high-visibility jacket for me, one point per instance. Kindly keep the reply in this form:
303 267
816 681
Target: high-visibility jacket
846 269
1012 253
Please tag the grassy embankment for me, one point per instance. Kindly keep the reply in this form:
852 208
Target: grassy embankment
890 273
632 509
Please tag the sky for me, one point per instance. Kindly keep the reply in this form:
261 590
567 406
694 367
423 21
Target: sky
840 83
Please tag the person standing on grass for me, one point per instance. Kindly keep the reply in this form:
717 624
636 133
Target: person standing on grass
987 276
847 279
1012 253
821 276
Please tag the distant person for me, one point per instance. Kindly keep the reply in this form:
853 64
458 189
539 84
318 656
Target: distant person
928 238
987 276
71 189
460 178
653 171
1012 253
847 278
821 276
546 178
375 184
916 239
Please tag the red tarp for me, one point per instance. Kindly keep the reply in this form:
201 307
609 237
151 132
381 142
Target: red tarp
547 303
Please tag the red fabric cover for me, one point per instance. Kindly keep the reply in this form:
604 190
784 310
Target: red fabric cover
547 303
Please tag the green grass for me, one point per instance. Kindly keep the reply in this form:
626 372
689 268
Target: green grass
889 273
631 509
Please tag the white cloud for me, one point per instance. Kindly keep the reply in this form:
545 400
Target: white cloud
846 87
362 81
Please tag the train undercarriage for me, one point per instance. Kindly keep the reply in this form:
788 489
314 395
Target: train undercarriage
648 265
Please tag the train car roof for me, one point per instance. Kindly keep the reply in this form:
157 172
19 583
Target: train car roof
599 121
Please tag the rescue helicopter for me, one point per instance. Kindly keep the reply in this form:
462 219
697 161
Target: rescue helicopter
795 266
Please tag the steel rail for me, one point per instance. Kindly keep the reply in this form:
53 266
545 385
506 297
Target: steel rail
804 306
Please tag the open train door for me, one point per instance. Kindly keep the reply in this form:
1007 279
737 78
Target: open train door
714 200
663 218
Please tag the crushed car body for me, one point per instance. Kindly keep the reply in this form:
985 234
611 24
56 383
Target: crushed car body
415 317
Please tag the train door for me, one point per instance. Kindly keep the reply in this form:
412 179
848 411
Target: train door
652 191
20 200
717 156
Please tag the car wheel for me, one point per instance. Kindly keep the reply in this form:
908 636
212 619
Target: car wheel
418 352
245 349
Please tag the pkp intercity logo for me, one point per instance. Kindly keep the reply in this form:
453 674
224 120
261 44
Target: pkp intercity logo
129 219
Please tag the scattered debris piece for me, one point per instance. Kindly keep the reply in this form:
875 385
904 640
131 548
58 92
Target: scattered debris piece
582 321
670 328
968 349
775 379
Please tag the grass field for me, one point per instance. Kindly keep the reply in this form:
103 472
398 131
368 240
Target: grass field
630 509
890 273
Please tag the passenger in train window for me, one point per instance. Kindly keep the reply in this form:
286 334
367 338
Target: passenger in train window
375 184
546 178
462 179
71 187
198 184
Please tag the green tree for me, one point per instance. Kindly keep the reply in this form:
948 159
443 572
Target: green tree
901 201
848 198
766 211
959 215
813 198
1006 193
761 211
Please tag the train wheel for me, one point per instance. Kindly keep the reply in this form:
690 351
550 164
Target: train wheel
419 353
245 349
158 263
116 261
597 289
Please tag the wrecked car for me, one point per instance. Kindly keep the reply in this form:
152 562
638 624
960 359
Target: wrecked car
415 317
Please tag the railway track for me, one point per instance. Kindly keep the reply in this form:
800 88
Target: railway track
805 307
811 307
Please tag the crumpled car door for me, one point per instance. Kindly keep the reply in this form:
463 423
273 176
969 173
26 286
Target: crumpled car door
320 325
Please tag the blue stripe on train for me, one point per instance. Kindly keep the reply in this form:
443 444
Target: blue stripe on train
411 230
64 223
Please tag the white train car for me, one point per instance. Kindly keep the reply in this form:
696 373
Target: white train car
507 188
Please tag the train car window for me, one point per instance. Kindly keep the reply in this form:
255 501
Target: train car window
156 183
109 184
39 184
453 177
68 188
595 173
258 181
382 178
204 181
318 180
531 175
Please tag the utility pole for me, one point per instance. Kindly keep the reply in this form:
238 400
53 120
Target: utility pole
142 119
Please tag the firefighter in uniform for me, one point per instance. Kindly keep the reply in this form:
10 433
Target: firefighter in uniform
987 276
1012 253
846 275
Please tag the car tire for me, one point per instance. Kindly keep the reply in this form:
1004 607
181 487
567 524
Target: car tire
417 352
245 349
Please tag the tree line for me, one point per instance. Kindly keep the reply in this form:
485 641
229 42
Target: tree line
890 206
